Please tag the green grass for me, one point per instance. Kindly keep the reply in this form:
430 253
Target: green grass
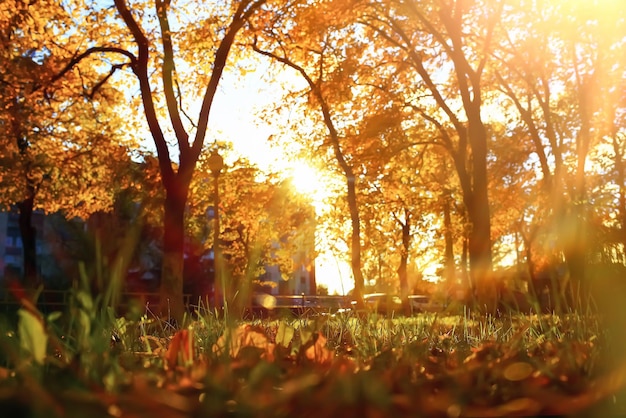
89 361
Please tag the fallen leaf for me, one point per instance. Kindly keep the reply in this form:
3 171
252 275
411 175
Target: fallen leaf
284 335
318 352
181 349
233 340
517 371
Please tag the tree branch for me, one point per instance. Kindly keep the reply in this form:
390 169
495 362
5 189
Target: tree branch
140 68
168 85
180 104
93 50
416 61
245 9
100 83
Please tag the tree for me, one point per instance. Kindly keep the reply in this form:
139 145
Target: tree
148 42
299 38
264 222
431 38
561 73
60 146
397 212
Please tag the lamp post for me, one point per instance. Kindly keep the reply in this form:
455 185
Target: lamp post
216 164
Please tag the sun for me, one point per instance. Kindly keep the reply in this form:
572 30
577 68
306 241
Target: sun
305 179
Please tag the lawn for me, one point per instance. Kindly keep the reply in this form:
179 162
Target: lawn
87 362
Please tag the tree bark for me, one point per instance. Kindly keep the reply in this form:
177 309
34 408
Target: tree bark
480 256
355 260
171 289
404 257
449 267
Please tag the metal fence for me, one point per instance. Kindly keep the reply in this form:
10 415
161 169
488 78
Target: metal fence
261 305
271 305
58 300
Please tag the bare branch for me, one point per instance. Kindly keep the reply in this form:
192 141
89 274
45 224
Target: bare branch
100 83
180 104
90 51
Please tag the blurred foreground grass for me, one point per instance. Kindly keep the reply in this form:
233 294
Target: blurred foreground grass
86 361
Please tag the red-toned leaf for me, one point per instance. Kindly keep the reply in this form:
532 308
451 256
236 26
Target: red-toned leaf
181 349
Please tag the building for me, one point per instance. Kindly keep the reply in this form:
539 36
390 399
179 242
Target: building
11 248
301 281
52 236
61 243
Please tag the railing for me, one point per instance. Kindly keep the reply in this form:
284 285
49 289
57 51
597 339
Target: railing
49 300
298 304
58 300
293 301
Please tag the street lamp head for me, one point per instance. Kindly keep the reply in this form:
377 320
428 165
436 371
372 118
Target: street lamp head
216 162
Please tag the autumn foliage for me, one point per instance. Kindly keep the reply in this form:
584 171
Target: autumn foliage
478 142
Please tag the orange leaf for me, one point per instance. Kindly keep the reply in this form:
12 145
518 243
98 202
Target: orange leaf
244 336
181 348
318 352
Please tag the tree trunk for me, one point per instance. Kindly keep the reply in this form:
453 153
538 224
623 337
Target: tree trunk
402 269
620 177
480 257
404 258
449 268
26 206
576 249
355 261
470 154
171 289
312 279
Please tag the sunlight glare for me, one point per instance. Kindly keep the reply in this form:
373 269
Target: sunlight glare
305 179
333 273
